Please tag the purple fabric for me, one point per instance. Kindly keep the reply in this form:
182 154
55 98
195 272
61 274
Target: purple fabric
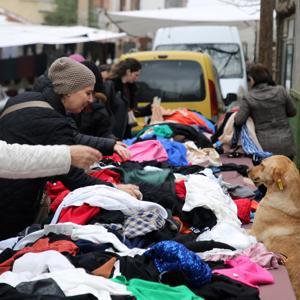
77 57
260 255
148 150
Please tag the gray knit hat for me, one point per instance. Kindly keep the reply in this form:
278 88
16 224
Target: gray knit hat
69 76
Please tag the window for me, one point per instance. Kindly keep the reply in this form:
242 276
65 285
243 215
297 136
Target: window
226 57
287 52
171 80
289 66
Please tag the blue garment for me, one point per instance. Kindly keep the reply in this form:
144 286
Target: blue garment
208 123
249 146
176 152
172 256
129 142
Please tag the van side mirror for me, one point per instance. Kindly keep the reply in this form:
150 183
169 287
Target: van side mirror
230 97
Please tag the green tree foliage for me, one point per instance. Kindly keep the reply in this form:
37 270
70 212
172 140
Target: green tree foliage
64 14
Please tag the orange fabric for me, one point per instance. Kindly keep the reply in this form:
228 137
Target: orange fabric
254 205
106 269
186 117
40 246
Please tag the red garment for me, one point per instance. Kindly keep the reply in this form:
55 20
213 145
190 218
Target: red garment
78 214
244 209
180 189
107 175
57 192
58 200
186 117
54 189
40 246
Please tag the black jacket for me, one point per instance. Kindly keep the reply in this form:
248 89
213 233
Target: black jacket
19 199
120 98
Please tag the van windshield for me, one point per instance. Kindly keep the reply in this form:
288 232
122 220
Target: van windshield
226 57
171 80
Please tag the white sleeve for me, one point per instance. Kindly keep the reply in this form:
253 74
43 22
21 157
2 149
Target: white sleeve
24 161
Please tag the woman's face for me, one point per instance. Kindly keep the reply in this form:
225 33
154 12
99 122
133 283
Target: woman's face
76 102
131 77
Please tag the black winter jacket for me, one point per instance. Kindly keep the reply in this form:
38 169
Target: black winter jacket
19 199
120 98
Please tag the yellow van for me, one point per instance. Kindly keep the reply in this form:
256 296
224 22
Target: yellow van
181 79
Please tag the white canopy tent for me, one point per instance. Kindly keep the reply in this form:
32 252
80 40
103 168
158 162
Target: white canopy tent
207 12
17 34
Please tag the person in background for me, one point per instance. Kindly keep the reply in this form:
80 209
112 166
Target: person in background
104 71
120 89
25 161
77 57
93 124
71 90
270 106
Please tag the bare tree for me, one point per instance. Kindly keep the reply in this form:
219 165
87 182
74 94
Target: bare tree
266 33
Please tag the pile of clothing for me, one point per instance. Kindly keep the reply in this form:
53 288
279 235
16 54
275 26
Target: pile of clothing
182 240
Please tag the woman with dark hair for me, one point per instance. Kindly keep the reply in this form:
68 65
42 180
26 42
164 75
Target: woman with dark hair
120 89
270 106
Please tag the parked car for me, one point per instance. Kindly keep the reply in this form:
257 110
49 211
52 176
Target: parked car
181 79
222 43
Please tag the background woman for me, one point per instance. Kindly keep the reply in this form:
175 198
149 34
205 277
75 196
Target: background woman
120 88
270 106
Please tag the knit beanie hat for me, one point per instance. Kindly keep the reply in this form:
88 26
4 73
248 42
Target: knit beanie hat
69 76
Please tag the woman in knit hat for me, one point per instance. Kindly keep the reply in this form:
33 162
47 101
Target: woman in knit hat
94 123
42 121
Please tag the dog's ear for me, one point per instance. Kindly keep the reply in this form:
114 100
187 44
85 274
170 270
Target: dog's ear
278 178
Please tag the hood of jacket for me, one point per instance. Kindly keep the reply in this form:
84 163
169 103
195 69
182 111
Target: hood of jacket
264 91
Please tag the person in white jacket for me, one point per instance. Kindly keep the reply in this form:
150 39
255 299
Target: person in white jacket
25 161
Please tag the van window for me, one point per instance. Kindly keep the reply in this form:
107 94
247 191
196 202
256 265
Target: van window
226 57
171 80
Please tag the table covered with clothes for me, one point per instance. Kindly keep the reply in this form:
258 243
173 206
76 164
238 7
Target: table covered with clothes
185 239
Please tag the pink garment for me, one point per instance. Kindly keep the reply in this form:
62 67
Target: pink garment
77 57
148 150
260 255
246 271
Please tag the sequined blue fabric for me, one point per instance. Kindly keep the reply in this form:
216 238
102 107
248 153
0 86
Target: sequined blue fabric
173 256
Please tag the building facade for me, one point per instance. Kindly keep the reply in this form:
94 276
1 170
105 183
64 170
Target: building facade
288 56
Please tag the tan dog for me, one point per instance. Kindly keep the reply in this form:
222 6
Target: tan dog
277 219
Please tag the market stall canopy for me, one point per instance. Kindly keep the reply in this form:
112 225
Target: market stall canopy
207 12
17 34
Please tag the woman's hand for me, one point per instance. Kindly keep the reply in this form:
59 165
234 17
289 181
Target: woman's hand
84 156
131 189
122 150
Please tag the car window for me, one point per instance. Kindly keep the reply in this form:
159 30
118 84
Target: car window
226 57
171 80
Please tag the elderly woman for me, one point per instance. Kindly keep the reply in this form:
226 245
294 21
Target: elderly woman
40 119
